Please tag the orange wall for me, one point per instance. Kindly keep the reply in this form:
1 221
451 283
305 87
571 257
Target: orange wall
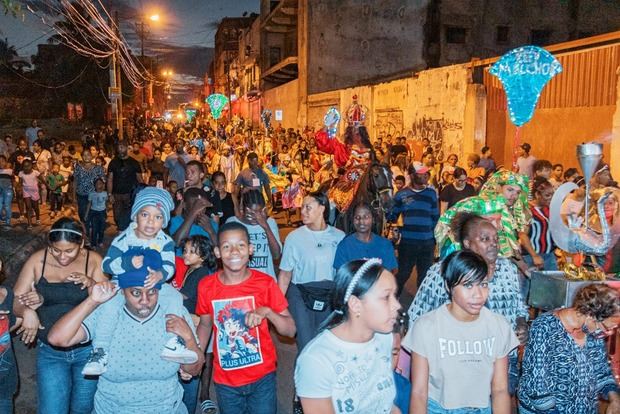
553 133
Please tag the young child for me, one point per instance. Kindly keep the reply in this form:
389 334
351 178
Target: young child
235 304
55 181
66 169
29 179
461 342
6 190
96 213
8 367
200 260
150 213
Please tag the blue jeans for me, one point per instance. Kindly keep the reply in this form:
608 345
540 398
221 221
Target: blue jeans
190 393
435 408
6 405
6 198
82 204
95 226
62 388
256 398
513 372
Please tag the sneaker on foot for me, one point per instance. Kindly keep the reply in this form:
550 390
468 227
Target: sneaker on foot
208 407
38 222
175 351
97 363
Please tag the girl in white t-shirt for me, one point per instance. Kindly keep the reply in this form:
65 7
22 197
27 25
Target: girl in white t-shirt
347 368
460 350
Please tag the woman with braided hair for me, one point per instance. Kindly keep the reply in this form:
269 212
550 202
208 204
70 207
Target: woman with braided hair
347 367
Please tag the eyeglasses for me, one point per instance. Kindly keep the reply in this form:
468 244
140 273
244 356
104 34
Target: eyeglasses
601 331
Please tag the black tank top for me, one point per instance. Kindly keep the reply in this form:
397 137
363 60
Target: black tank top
58 299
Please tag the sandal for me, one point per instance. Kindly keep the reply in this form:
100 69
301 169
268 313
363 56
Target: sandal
208 407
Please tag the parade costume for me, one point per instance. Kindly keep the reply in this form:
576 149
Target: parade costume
491 202
354 155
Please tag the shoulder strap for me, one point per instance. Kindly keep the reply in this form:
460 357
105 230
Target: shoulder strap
87 257
44 261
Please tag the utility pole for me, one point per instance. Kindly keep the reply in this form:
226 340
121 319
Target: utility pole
115 81
141 33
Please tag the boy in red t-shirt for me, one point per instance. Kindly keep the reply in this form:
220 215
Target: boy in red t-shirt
236 305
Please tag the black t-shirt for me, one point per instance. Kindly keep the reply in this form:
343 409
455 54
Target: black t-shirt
452 196
124 178
228 208
189 290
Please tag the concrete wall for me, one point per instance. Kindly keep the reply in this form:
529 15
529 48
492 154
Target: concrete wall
285 98
431 105
353 42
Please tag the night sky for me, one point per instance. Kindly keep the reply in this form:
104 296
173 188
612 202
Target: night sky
182 40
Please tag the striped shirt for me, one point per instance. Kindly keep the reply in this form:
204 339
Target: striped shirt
539 234
113 262
420 213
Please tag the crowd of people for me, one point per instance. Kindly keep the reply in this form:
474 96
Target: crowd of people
197 276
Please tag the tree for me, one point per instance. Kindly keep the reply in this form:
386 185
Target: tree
11 6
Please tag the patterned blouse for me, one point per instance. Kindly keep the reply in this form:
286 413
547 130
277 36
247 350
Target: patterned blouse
504 293
85 178
560 377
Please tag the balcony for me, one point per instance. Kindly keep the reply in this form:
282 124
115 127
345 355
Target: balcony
282 19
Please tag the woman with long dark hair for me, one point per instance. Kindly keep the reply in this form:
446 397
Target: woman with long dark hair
348 366
52 282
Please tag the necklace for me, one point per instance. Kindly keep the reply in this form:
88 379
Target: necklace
318 240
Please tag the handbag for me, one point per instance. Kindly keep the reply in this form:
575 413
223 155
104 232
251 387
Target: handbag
315 298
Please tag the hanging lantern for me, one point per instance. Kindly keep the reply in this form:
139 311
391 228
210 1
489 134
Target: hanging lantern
217 102
331 120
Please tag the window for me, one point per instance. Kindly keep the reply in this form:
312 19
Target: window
502 34
274 56
456 35
540 37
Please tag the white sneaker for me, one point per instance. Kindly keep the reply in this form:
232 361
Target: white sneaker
175 351
97 363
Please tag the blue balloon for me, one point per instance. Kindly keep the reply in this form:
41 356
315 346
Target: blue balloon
524 72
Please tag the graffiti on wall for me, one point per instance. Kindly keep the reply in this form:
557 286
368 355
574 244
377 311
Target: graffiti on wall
388 122
443 134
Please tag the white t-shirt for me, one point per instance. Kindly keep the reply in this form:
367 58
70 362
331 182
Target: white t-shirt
358 377
460 353
309 255
571 206
66 172
43 161
262 259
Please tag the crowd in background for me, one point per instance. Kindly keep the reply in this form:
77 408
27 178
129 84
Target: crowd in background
200 200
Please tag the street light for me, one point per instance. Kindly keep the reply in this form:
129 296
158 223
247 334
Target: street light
154 17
